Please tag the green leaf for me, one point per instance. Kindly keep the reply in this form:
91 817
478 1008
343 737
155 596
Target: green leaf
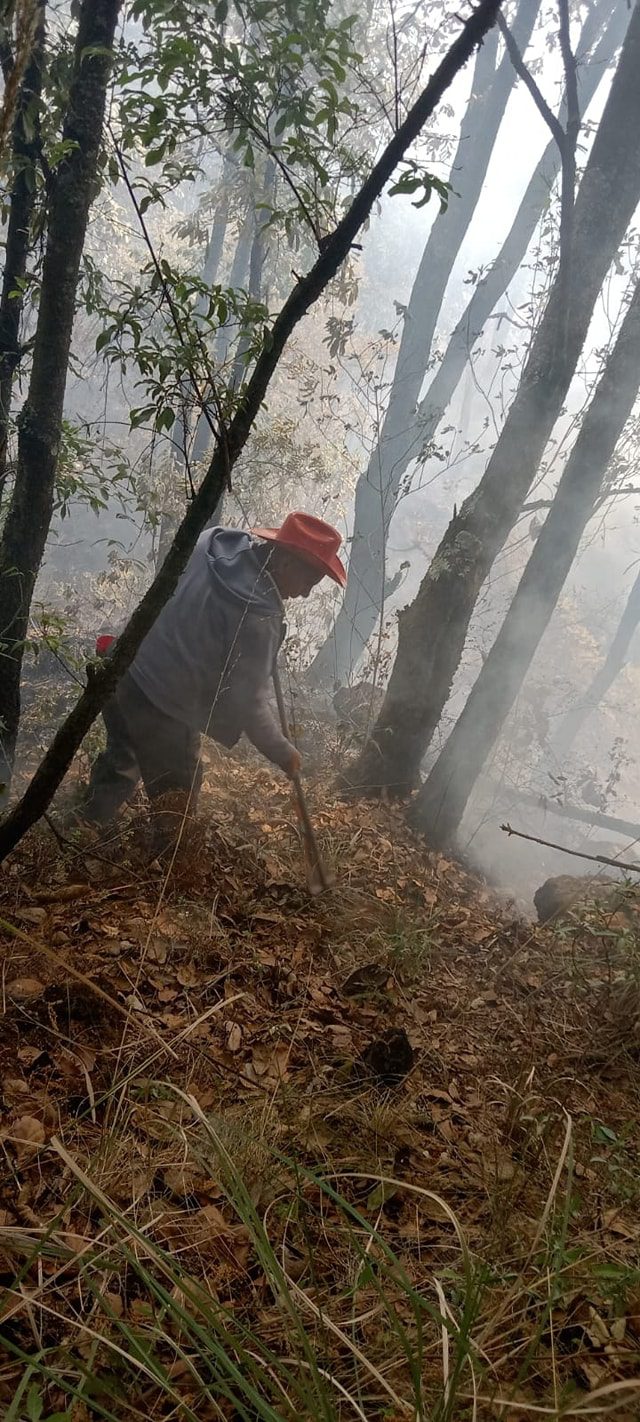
405 185
155 155
34 1404
379 1196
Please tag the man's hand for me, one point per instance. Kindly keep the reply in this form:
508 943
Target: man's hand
293 765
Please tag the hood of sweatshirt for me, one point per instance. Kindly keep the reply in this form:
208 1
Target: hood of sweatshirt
238 567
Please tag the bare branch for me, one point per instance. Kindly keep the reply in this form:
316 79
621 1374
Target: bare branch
521 70
575 853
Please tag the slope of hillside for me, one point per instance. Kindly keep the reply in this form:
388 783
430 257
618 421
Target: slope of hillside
369 1154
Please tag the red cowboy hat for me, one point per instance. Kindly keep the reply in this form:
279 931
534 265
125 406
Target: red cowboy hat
312 539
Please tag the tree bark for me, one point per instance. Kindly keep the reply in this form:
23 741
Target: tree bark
39 424
604 678
53 767
24 155
440 804
433 629
377 488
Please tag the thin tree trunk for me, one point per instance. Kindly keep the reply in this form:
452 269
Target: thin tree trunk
440 805
25 152
257 258
248 262
615 659
238 278
169 521
377 488
56 762
39 425
433 629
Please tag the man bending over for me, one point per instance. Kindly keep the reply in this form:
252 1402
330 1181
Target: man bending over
206 665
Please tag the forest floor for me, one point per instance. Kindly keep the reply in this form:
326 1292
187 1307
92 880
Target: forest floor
217 1199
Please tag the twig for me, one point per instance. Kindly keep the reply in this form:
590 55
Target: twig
575 853
264 139
537 504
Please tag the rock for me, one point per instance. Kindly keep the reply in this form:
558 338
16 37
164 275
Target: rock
368 979
557 897
390 1057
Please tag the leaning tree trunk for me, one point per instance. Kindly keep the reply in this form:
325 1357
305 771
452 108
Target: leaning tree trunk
440 805
615 659
307 290
433 629
398 443
40 421
22 198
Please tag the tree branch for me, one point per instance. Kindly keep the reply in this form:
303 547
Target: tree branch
53 767
523 73
575 853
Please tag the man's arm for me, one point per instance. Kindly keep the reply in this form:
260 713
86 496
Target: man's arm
262 726
251 692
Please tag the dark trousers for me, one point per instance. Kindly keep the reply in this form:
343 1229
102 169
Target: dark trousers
142 744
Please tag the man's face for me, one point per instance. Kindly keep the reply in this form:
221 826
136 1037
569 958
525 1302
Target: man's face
293 576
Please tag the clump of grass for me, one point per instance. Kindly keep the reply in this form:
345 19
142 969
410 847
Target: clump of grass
310 1305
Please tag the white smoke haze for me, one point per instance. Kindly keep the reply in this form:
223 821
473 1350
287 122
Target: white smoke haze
321 424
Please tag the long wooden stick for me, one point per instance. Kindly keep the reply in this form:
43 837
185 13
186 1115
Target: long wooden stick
309 832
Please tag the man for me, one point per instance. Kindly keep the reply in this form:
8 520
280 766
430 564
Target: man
206 665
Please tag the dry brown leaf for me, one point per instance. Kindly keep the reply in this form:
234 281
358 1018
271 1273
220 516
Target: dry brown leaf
158 949
234 1036
31 915
187 975
23 989
27 1134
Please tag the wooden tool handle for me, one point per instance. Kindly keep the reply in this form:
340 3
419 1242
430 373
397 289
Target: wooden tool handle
309 832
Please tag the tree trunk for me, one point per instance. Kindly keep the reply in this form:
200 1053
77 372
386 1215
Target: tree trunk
238 278
248 264
433 629
440 805
169 520
39 424
377 488
338 650
308 288
604 678
24 156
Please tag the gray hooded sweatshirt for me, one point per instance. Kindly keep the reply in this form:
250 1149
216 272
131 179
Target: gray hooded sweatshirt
208 658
